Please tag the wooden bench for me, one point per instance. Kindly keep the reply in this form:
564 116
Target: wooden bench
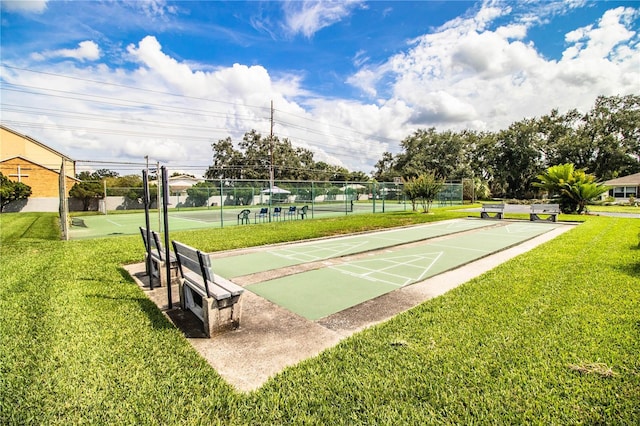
551 211
216 301
492 211
157 260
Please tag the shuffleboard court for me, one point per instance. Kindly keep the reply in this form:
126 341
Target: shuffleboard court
299 253
321 292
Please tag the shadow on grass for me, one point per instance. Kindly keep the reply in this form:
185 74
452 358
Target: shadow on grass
158 321
632 269
185 321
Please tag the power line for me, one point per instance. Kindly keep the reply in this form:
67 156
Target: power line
132 87
322 146
178 109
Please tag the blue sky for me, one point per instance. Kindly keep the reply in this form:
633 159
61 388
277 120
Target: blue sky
116 81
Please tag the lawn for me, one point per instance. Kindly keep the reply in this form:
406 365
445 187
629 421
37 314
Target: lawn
550 337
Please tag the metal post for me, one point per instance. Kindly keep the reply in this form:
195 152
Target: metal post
221 203
145 201
64 202
167 251
158 196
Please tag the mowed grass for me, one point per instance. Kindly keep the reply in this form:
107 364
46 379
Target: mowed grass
550 337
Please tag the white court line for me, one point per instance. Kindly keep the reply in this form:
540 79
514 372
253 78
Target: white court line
188 220
368 278
114 223
523 228
393 264
461 248
297 255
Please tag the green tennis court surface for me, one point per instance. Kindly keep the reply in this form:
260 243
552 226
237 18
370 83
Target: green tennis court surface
337 286
95 226
298 253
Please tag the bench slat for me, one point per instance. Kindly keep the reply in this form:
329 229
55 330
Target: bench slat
195 282
234 289
541 208
197 264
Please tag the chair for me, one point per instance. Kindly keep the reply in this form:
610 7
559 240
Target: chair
292 212
303 211
243 216
262 215
277 212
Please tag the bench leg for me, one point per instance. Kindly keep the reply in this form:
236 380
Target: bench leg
174 277
219 319
533 217
485 215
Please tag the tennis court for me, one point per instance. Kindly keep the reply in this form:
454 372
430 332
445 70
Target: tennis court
96 226
317 279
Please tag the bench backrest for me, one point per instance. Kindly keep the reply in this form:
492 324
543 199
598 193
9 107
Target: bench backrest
292 209
277 210
264 210
244 213
155 237
545 208
156 248
200 263
498 207
189 258
304 209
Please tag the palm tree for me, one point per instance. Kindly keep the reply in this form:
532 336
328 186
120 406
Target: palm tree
575 188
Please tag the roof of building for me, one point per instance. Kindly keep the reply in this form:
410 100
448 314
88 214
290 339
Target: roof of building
30 139
631 180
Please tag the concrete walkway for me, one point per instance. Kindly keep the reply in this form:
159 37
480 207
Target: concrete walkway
271 338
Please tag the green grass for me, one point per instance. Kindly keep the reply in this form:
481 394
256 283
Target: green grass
614 209
551 337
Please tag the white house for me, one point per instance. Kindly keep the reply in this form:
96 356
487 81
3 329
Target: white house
624 187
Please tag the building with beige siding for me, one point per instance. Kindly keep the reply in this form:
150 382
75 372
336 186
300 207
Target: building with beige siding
24 159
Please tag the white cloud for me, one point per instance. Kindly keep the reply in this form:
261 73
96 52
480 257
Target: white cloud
169 110
86 50
309 17
467 75
25 6
154 8
601 41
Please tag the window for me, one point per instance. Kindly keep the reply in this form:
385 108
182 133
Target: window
624 191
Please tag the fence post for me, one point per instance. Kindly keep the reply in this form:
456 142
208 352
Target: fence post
64 203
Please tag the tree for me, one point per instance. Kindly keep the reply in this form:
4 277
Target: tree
424 188
517 159
384 168
256 156
199 194
572 186
429 150
612 128
226 161
12 191
87 192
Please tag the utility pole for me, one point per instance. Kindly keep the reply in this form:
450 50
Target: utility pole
271 176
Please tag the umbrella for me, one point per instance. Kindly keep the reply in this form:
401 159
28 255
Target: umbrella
275 190
355 186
